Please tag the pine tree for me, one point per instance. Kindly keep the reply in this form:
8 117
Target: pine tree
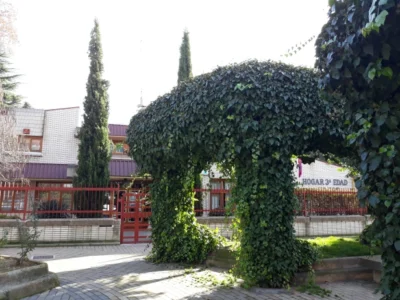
185 61
8 84
26 105
94 148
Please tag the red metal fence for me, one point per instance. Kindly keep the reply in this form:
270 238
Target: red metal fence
58 202
311 202
70 202
328 202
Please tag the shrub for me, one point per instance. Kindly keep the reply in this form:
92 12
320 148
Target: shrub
27 237
8 217
53 205
305 255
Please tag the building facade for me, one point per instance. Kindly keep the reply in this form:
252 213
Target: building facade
317 175
51 137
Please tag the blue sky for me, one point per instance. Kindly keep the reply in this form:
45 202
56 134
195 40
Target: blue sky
141 41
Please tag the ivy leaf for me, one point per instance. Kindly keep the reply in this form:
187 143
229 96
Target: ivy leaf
391 136
339 64
392 122
350 19
374 163
375 141
368 49
335 74
356 61
387 71
389 218
364 155
347 73
397 245
372 73
373 200
380 19
358 184
384 107
363 166
381 119
386 51
361 194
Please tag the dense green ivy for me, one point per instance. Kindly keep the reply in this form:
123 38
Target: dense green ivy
358 52
251 117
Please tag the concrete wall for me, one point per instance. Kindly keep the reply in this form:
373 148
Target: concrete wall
68 230
330 225
108 230
303 226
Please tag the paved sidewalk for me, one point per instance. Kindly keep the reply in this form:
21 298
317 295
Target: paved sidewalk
121 272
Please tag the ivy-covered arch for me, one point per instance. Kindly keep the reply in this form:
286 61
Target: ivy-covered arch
251 117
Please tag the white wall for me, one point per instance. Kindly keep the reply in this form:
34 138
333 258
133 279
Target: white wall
303 226
59 143
122 157
29 119
205 183
316 175
323 175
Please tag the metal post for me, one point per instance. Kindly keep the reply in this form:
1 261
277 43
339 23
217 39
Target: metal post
25 202
136 218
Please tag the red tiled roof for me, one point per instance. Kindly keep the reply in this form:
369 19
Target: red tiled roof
45 171
117 130
122 168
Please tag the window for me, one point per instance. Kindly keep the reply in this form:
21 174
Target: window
119 147
62 197
32 143
220 193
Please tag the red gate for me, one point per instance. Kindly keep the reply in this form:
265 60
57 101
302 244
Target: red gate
135 212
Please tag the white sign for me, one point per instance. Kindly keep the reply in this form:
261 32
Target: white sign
324 182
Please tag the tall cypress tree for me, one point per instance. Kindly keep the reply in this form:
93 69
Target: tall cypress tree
94 149
185 61
185 73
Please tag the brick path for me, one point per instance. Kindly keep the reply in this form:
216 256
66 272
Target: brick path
120 272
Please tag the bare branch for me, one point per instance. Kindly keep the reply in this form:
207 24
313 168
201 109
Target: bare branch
8 34
12 149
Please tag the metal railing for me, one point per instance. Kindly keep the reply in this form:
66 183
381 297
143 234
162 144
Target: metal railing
58 202
311 202
84 202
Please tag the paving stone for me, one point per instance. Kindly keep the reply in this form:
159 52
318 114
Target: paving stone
120 272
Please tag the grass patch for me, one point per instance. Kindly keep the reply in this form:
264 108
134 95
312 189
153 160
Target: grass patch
313 289
333 246
212 280
8 217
